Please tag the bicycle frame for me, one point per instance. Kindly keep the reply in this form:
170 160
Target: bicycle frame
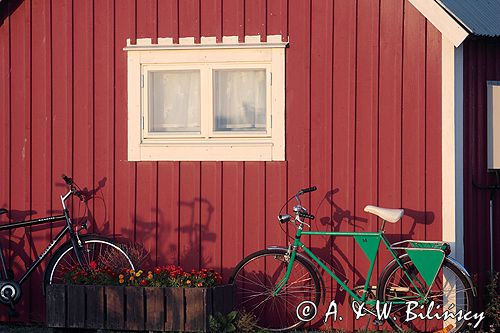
370 244
67 229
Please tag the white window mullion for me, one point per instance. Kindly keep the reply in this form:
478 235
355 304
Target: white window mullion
208 110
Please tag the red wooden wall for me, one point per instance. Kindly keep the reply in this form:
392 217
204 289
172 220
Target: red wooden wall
363 120
481 64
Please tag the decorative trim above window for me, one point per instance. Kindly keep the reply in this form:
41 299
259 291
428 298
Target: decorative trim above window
207 101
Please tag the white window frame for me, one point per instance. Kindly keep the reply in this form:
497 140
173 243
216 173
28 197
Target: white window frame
206 56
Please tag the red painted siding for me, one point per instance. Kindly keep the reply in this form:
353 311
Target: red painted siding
481 64
362 123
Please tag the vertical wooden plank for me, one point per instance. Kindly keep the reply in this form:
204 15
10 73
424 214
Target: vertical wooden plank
124 189
255 18
344 89
75 306
390 103
20 144
155 309
277 18
366 157
56 305
433 188
298 65
276 196
413 128
168 213
198 300
233 19
134 318
147 15
211 213
232 215
254 207
189 19
211 18
189 215
62 97
104 112
168 20
83 99
321 133
174 300
222 299
94 307
479 149
41 182
115 307
389 166
413 151
146 207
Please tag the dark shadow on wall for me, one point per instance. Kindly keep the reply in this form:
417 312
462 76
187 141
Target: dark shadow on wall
7 7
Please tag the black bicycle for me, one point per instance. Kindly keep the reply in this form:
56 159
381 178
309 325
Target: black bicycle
83 251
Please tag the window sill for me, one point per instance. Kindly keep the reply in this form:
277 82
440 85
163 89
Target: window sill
213 151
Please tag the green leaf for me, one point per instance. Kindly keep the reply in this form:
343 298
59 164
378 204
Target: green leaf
231 316
231 328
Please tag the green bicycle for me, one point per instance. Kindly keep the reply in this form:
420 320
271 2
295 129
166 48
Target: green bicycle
273 283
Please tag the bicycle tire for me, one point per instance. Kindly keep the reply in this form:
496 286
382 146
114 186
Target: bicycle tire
253 284
94 246
397 287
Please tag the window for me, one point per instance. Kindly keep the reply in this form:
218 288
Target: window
208 101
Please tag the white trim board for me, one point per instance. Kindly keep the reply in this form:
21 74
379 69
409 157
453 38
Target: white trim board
452 148
445 23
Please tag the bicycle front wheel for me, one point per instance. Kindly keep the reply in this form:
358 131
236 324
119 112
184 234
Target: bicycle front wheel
96 252
255 279
451 292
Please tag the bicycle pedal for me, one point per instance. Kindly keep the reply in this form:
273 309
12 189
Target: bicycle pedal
378 322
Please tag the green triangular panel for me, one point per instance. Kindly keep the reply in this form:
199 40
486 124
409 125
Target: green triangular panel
427 262
369 245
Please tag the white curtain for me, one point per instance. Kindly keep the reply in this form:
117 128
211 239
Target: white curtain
240 100
174 101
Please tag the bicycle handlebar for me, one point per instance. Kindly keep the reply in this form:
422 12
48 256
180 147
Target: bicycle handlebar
307 190
69 181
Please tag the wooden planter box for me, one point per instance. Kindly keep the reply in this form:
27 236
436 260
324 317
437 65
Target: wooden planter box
135 308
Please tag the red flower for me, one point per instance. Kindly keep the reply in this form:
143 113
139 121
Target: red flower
93 264
144 282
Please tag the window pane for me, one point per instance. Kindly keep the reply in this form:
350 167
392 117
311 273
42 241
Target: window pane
240 100
174 101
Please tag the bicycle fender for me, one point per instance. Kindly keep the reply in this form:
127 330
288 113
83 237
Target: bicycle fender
464 272
310 264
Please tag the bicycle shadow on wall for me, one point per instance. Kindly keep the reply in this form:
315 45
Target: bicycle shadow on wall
336 254
191 235
192 253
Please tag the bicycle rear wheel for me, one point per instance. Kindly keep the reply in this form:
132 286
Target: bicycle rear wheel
97 253
255 279
451 292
